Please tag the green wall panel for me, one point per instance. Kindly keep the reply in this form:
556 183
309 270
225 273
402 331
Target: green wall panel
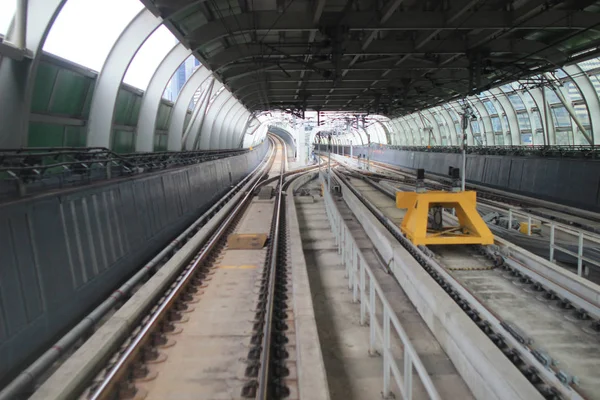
45 135
75 136
164 116
160 142
123 141
42 90
69 94
85 112
127 108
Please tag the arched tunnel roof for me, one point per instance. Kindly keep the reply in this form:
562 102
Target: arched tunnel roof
387 57
412 61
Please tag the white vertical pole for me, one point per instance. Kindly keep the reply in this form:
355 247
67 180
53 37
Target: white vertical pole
20 40
551 242
580 255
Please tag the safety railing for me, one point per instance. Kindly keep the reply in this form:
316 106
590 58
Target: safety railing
366 290
578 237
34 169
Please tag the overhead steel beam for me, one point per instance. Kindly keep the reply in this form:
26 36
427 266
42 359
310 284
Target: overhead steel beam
102 110
382 48
146 125
264 21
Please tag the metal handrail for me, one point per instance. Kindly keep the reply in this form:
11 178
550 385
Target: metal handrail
579 235
357 271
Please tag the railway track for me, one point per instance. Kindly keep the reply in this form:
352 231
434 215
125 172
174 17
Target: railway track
221 328
544 331
566 215
176 352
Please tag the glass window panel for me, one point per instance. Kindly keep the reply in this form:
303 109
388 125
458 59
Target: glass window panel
526 139
499 139
516 102
564 138
572 91
551 96
490 107
561 117
7 11
475 127
524 121
85 31
582 114
506 125
537 120
438 119
595 83
589 64
496 124
148 57
179 79
560 73
528 100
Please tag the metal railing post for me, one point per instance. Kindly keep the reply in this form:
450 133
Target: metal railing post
551 242
407 374
386 352
372 313
510 218
363 302
528 225
580 255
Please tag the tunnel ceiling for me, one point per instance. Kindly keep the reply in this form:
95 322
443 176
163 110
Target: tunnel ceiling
391 57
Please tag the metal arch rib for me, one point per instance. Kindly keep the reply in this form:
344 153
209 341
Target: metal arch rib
218 141
226 122
153 95
219 105
109 80
231 128
17 78
204 139
181 107
192 131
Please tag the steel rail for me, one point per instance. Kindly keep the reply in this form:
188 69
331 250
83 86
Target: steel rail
119 369
265 359
550 376
43 363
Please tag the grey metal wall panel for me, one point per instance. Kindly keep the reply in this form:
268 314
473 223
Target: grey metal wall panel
62 253
572 182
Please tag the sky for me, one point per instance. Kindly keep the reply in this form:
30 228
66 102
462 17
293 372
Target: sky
7 10
86 30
